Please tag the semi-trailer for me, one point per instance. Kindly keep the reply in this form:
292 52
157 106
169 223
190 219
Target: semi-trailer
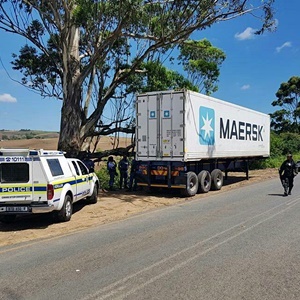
187 140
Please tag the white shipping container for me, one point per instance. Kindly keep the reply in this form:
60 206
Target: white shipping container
189 126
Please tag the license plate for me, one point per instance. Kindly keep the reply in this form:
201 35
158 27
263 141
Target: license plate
17 209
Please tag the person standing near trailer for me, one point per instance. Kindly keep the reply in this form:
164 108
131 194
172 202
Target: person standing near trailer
112 171
123 168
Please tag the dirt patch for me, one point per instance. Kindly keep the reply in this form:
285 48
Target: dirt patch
111 206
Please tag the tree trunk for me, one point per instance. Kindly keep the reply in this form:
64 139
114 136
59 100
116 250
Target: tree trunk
71 114
70 125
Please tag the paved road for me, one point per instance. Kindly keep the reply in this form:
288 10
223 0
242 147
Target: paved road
241 244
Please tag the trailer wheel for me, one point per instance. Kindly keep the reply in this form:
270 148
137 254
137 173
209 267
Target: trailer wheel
65 214
191 185
216 179
204 179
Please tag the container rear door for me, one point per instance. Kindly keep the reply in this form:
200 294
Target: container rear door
160 126
171 125
147 126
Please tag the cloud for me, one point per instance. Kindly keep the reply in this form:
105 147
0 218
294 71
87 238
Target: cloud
284 45
245 87
7 98
247 34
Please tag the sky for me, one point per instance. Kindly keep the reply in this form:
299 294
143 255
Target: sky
254 68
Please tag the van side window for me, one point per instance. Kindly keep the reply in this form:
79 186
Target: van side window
83 168
55 167
14 173
75 167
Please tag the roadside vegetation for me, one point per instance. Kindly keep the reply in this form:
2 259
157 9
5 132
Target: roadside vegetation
280 145
285 126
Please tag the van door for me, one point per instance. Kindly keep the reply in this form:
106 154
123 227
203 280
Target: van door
82 179
16 180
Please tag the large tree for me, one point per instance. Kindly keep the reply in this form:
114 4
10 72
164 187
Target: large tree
287 118
84 51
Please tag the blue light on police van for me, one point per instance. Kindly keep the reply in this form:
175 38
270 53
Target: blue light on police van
32 152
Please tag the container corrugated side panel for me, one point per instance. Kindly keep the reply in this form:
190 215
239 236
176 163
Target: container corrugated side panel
219 129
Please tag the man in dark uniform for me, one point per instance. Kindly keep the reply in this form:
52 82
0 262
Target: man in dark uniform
123 168
287 172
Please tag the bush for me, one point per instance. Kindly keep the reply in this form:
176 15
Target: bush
291 142
272 161
280 145
276 145
103 177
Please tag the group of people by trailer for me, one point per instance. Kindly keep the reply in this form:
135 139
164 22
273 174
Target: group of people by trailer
127 180
125 168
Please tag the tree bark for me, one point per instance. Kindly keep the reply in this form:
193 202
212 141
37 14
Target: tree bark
71 113
70 125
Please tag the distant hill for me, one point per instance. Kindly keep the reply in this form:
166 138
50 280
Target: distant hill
26 134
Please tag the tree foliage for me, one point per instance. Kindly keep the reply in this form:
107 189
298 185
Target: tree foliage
202 61
283 143
85 51
287 118
156 77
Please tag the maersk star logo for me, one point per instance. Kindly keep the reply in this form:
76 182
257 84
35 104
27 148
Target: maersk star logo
207 126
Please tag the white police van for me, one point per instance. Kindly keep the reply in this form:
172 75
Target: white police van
42 181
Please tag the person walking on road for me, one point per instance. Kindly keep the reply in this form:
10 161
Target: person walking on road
287 172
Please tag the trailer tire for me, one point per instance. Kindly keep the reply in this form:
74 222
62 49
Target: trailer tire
191 185
216 179
204 179
65 214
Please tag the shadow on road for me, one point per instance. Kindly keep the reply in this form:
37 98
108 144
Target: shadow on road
36 221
